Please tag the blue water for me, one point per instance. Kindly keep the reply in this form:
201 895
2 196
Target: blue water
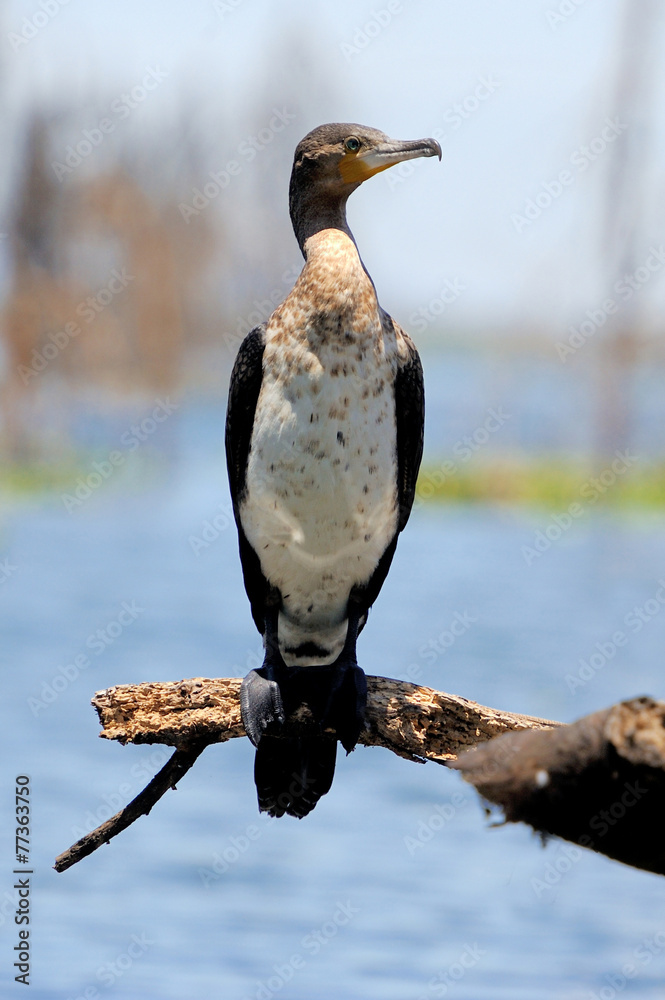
396 887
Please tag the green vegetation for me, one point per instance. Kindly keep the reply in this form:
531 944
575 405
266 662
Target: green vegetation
26 478
554 483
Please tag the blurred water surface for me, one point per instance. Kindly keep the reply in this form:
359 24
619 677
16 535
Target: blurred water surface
395 887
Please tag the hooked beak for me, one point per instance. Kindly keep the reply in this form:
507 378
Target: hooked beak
357 167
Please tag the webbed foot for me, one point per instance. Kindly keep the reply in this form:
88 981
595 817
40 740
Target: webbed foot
261 703
347 702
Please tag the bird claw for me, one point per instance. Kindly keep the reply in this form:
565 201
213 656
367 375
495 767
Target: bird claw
345 710
261 704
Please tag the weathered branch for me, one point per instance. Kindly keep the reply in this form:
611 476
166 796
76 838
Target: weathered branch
571 781
414 722
599 782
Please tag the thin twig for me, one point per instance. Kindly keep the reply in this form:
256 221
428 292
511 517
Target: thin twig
170 774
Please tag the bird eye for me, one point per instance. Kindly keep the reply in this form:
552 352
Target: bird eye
352 144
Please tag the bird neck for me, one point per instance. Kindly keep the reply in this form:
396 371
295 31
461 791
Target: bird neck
334 278
311 213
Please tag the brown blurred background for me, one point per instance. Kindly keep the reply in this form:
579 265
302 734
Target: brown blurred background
145 228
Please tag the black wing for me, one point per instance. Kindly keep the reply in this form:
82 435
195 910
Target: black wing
410 417
246 379
410 426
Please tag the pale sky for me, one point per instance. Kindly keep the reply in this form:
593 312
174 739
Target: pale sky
514 90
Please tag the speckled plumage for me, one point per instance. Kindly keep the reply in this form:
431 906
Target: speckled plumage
321 492
324 441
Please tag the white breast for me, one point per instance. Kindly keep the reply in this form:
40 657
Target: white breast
321 501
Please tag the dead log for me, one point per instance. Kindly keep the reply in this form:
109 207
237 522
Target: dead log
537 770
599 782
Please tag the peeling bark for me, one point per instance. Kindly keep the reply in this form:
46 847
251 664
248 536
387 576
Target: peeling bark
598 782
414 722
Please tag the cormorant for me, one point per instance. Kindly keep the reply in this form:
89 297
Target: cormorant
324 438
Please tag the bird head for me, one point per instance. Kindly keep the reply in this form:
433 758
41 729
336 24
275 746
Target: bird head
333 160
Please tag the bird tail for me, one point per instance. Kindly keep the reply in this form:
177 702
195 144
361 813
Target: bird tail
292 773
